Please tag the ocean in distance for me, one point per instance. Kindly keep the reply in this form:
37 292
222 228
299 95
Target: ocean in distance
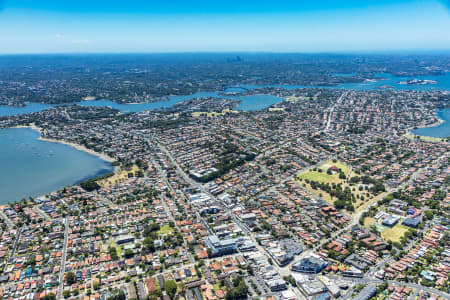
384 81
32 167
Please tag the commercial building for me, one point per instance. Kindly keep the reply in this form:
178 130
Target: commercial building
125 239
311 265
411 222
310 286
390 221
220 247
198 174
276 284
367 293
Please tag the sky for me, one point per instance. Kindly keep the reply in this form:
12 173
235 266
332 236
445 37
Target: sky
109 26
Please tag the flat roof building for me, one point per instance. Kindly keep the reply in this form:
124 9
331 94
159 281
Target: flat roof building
390 221
125 239
411 222
220 247
312 265
367 293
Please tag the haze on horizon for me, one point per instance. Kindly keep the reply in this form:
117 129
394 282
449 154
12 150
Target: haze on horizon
54 26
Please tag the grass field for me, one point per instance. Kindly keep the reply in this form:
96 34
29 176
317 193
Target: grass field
276 108
424 138
395 233
338 164
369 221
295 99
165 229
104 247
214 114
321 194
323 177
119 176
317 176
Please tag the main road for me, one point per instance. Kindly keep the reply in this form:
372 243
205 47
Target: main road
11 257
63 259
330 115
235 219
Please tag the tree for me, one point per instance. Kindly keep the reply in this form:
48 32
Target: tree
150 229
291 280
113 252
70 278
382 287
66 294
149 244
49 296
428 214
90 185
129 253
239 291
339 204
171 288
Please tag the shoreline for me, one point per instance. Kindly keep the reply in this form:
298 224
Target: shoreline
79 147
435 124
74 145
102 156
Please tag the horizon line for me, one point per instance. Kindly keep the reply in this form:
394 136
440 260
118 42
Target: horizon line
337 52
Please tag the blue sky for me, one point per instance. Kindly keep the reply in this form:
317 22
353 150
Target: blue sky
68 26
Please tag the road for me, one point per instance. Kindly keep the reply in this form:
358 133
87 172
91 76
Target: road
227 210
104 199
63 259
169 214
7 220
330 114
171 218
42 213
10 258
